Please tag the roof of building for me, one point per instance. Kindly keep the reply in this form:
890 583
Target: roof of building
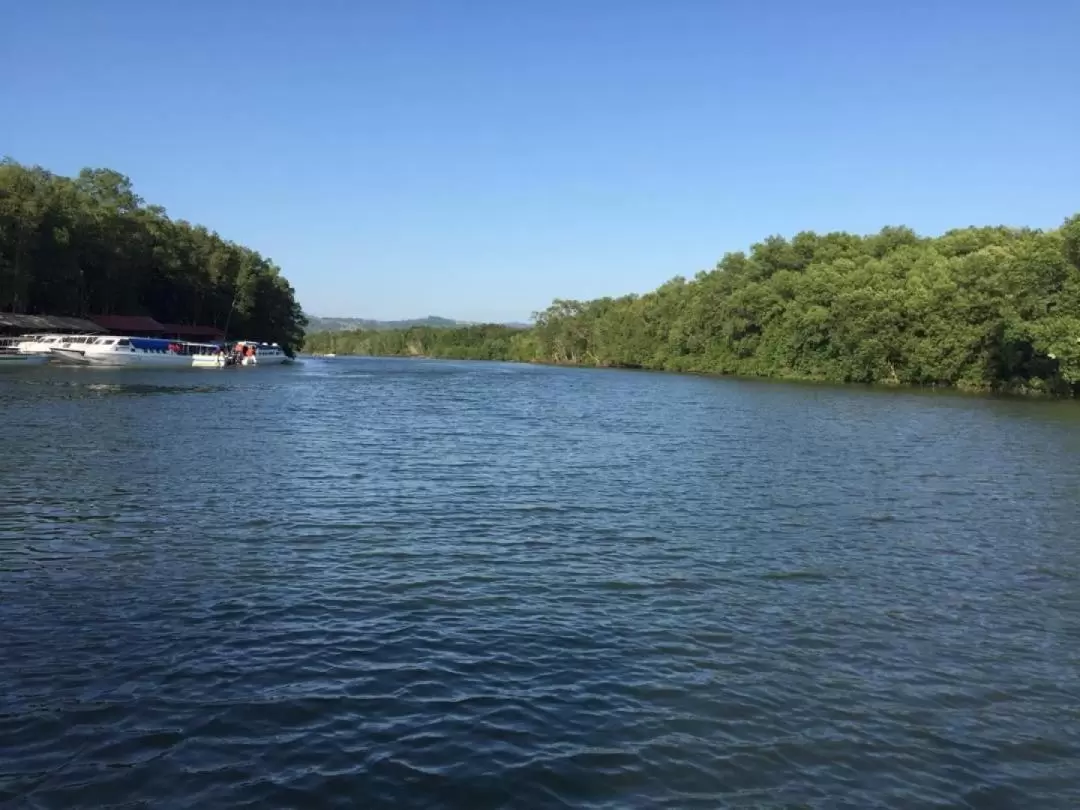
75 324
47 323
127 323
186 330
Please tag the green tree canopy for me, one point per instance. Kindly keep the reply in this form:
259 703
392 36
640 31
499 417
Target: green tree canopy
90 246
982 308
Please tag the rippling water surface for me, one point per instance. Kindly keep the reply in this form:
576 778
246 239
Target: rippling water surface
385 583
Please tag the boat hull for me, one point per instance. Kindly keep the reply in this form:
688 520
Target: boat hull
137 360
271 360
215 361
208 361
68 357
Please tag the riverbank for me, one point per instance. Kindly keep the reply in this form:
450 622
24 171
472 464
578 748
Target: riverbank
1014 390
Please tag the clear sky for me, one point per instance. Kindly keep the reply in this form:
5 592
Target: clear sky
477 158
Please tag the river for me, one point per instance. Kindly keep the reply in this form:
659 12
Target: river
419 584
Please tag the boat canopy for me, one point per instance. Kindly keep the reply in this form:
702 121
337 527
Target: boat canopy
153 344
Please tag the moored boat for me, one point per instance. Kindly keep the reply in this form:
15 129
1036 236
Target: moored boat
11 356
37 344
124 350
134 351
44 343
69 349
244 353
263 354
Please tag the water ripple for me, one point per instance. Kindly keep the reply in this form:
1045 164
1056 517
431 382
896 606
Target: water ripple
423 584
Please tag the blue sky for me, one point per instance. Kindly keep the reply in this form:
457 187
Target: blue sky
477 158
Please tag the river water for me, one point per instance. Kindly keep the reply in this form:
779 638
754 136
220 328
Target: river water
408 583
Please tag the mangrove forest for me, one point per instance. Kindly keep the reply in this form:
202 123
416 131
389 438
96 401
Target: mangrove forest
992 308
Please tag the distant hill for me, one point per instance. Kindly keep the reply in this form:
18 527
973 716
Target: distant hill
317 324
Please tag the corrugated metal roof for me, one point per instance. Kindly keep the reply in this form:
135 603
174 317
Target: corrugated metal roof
10 320
127 323
74 324
47 323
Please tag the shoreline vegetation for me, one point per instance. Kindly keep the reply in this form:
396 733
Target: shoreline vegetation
978 309
88 245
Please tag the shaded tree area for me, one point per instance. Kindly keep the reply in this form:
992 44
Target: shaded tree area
977 308
88 245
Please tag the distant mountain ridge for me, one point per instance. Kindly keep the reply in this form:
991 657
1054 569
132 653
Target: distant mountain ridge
319 324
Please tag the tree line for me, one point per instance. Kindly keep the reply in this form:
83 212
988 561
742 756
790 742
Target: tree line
486 342
88 245
975 308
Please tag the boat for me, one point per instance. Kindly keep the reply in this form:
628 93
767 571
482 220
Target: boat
38 344
43 344
266 354
73 345
77 342
116 351
244 353
11 356
125 350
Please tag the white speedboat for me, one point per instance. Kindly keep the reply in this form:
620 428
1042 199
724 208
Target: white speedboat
12 356
38 344
72 344
43 344
75 341
266 354
134 351
244 353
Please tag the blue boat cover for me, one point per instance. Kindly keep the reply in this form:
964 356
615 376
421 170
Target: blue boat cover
152 344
